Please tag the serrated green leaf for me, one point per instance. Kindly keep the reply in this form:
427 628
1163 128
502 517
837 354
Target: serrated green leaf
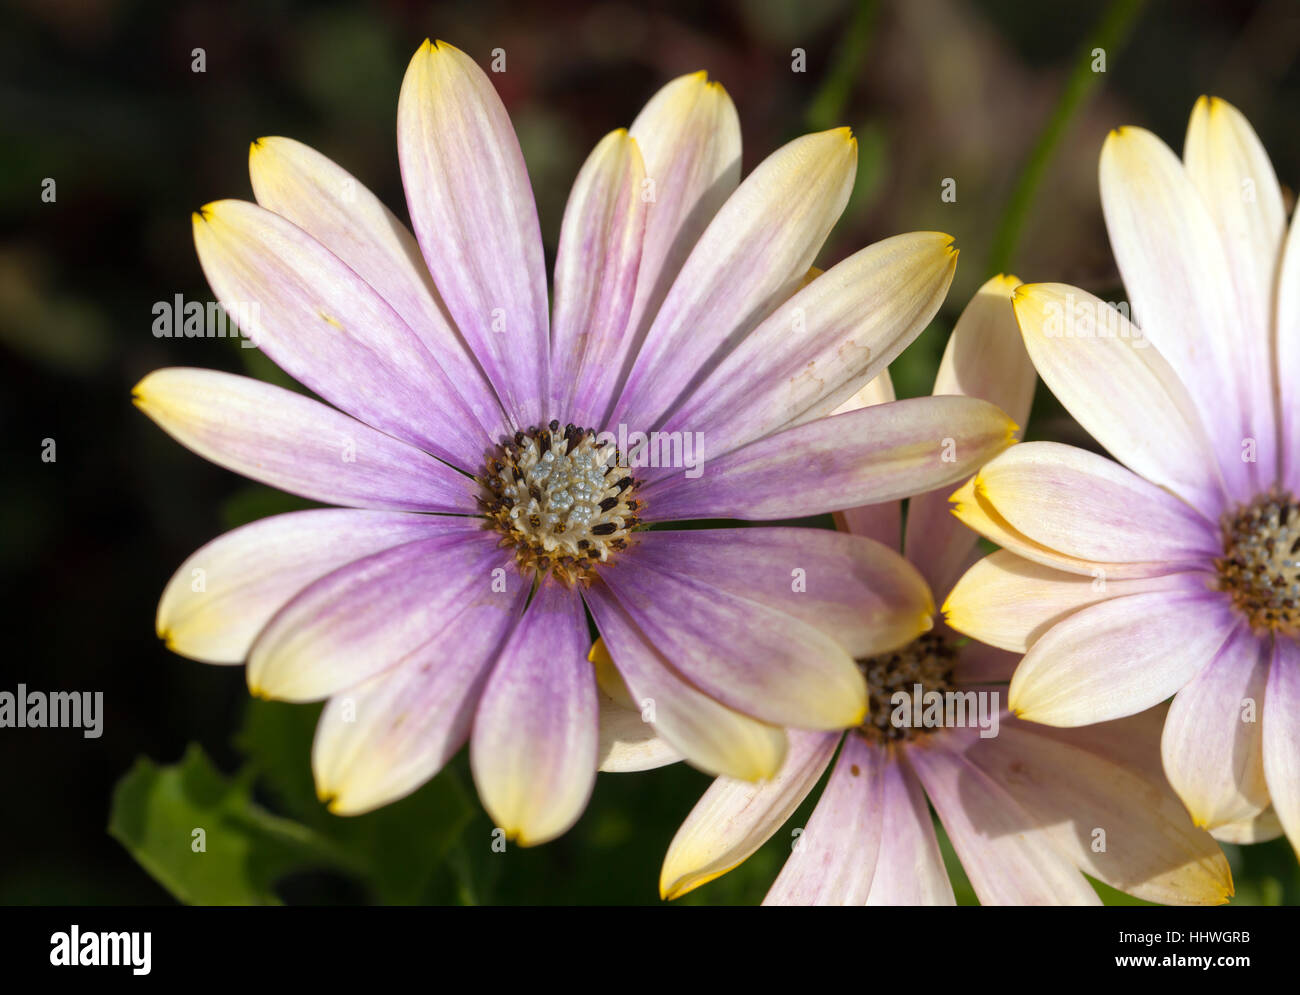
202 837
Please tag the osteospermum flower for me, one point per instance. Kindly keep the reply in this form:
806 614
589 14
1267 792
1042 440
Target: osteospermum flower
1177 572
1027 807
472 442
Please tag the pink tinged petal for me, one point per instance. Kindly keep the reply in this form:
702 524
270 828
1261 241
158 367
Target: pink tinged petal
1123 392
1282 736
881 522
872 455
712 737
909 867
985 358
379 740
298 445
628 740
331 331
1212 749
753 255
972 506
533 748
689 135
1262 828
978 663
1288 357
223 594
1007 601
1178 279
817 349
1005 852
629 743
753 658
1228 166
329 204
734 818
1111 819
1091 508
860 593
1119 657
473 212
834 861
374 613
595 279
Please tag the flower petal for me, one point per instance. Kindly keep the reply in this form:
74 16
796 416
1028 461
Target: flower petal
689 135
709 735
859 592
1007 857
474 215
1229 167
1260 829
223 594
1178 280
816 349
1123 392
985 358
331 331
882 522
1007 601
971 505
298 445
834 860
595 279
753 658
1111 820
909 867
379 740
1212 749
754 253
1288 357
979 663
373 613
1091 508
1119 657
1282 736
533 747
875 454
329 204
628 743
734 818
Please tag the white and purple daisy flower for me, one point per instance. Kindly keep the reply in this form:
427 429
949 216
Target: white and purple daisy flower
1029 809
470 434
1177 572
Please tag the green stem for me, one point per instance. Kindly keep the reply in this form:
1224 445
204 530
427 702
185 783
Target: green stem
827 107
1110 34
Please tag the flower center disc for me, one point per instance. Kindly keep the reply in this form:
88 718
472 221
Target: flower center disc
560 498
928 661
1260 566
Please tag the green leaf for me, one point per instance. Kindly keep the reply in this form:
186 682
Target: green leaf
161 813
395 850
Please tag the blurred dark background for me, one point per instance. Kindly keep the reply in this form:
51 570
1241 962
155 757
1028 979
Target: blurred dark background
100 96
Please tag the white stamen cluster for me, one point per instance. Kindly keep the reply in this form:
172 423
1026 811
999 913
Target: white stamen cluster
928 661
560 499
1260 566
